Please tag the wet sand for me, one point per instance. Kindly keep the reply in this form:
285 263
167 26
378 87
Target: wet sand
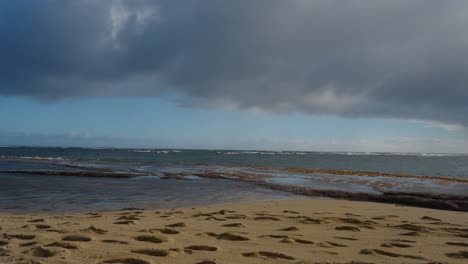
301 231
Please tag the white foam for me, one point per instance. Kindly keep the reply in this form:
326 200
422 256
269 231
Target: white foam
396 154
140 151
32 158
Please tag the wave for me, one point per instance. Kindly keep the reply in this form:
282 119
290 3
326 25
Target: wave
442 155
246 152
238 152
396 154
91 174
154 151
33 158
291 153
261 153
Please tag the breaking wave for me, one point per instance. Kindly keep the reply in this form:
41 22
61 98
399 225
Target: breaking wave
261 153
153 151
33 158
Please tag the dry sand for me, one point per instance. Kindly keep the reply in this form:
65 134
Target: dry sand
305 231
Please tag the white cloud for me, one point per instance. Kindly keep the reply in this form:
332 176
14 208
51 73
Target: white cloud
120 15
448 127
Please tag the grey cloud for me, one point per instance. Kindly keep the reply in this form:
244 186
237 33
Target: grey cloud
396 59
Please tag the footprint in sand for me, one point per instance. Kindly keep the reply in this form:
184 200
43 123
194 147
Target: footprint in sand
76 238
215 218
460 232
152 252
4 251
333 244
291 228
428 218
96 230
272 218
206 262
410 234
268 254
126 261
290 212
411 227
389 254
236 217
201 248
398 245
461 244
3 243
287 240
176 225
229 236
56 231
152 239
27 244
173 213
350 214
126 222
202 214
20 236
223 212
234 225
42 252
274 236
330 245
308 220
355 221
129 217
36 220
404 240
463 235
384 217
41 226
347 228
168 231
112 241
347 238
297 240
347 220
94 215
458 255
62 245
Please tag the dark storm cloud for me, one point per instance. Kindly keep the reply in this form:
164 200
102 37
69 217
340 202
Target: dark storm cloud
397 59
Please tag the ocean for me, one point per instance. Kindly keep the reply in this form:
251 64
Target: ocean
46 179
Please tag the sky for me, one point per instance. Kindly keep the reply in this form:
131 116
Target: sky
220 74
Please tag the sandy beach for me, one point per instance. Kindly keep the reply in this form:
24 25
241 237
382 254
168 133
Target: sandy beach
298 231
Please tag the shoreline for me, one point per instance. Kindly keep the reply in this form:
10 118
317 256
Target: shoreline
286 231
435 200
84 171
